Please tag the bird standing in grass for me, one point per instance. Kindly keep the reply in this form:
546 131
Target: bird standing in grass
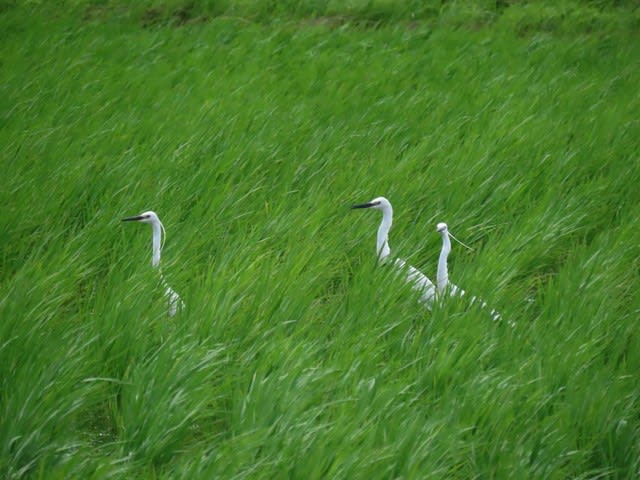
174 300
415 278
442 277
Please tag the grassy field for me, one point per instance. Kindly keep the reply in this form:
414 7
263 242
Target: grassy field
251 127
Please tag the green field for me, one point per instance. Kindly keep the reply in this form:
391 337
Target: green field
251 127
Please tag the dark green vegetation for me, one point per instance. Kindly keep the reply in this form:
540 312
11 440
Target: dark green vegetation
250 127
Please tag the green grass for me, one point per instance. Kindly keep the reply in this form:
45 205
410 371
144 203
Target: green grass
250 127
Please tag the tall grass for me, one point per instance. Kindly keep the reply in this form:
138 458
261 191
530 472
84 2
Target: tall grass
250 132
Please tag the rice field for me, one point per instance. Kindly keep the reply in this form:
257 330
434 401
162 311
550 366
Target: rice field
250 128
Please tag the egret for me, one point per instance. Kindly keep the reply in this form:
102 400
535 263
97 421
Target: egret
442 277
415 277
174 300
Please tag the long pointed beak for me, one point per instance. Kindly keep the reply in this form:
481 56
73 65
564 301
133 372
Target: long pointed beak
363 205
137 218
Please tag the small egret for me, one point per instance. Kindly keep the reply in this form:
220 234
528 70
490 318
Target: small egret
442 277
173 298
415 277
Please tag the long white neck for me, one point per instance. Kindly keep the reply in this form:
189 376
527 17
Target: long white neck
382 243
442 277
157 243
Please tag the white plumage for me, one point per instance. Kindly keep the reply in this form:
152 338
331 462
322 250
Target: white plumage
418 280
173 299
442 277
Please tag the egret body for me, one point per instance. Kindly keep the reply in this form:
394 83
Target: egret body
157 229
415 277
442 277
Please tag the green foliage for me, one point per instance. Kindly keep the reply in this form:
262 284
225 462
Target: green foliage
250 127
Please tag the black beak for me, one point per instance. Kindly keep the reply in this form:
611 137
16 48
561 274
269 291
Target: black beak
364 205
133 219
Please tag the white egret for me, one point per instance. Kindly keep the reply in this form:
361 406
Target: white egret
174 300
442 277
415 278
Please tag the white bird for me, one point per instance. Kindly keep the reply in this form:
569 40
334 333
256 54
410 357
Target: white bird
442 277
174 300
416 278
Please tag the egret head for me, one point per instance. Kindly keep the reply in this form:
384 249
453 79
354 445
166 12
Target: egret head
441 227
379 203
146 217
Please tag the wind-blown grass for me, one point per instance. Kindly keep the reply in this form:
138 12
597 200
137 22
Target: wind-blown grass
250 131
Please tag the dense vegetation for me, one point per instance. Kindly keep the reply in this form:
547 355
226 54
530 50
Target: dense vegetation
250 127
